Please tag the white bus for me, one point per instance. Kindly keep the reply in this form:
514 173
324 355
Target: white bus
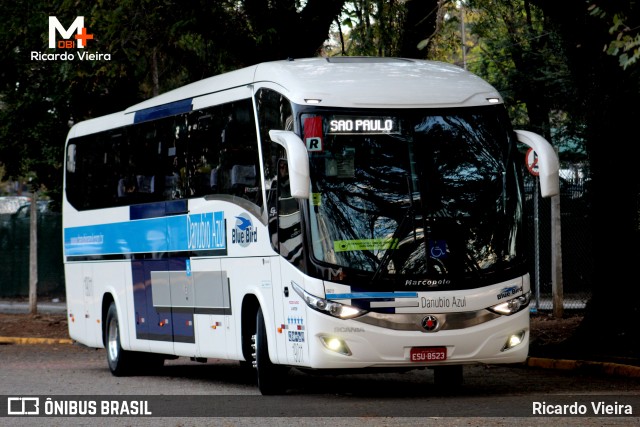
395 241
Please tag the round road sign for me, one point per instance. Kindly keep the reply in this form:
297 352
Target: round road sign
531 159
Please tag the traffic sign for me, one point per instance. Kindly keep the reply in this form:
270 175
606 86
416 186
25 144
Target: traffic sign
531 159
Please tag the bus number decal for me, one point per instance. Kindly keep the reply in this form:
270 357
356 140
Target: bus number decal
296 336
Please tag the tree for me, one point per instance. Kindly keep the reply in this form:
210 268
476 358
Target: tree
552 64
38 99
281 29
386 28
152 49
607 98
625 40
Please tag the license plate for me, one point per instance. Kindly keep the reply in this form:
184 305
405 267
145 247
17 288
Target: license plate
428 354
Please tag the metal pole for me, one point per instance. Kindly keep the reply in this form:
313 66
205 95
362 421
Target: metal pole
33 253
556 259
464 40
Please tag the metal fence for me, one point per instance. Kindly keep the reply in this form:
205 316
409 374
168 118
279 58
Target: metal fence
576 246
14 254
577 257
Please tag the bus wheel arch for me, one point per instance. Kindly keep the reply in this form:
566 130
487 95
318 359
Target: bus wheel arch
107 300
250 306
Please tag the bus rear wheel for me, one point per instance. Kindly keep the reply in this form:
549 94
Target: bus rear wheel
271 377
121 362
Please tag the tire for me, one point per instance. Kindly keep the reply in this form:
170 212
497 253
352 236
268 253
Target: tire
271 378
448 378
121 362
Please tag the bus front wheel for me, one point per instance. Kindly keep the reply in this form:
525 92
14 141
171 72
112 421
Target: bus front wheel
271 377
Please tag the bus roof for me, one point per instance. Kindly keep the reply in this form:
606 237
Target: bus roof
351 82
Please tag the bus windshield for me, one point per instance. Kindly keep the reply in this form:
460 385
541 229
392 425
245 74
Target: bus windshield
428 197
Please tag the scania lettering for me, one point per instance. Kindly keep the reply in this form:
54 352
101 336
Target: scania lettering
288 215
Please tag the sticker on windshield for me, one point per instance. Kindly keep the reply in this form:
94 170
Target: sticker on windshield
364 244
313 133
438 248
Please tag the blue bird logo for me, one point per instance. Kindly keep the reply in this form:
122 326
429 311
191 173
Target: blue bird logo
243 223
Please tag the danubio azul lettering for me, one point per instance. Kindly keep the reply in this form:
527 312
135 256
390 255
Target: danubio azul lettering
218 234
205 231
199 229
440 302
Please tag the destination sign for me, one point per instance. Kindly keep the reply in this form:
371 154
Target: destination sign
362 125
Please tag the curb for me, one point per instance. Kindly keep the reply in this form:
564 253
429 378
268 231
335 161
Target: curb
607 368
16 340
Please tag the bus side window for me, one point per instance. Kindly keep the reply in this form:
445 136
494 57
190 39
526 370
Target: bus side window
237 172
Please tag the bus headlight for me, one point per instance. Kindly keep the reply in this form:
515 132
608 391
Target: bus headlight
513 305
332 308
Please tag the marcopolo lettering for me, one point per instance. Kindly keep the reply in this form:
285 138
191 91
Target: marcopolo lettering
427 282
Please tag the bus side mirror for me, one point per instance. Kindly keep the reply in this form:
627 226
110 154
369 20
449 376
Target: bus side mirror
298 161
548 164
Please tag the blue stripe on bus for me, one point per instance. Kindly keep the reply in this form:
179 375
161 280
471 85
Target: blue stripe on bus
158 209
372 295
177 233
160 111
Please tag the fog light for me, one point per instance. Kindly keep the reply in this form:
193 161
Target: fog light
514 340
336 344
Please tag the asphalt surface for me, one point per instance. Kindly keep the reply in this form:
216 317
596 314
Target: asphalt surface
57 307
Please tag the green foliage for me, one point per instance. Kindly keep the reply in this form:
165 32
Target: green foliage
626 42
384 28
510 44
154 46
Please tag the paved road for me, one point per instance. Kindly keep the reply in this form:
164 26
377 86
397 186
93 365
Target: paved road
489 397
182 388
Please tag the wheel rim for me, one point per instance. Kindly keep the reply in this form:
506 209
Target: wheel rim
113 340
